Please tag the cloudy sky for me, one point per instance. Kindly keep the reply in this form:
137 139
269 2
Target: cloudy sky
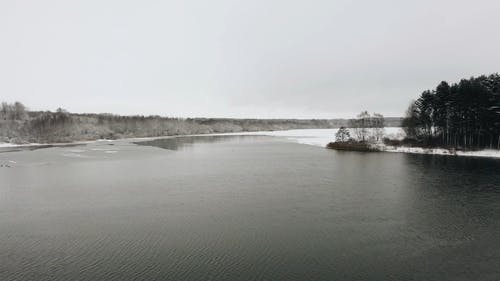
222 58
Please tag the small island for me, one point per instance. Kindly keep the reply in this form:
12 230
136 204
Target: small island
368 131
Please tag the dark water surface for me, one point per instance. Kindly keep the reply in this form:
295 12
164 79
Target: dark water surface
246 208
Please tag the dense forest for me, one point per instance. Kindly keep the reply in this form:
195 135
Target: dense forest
19 125
464 115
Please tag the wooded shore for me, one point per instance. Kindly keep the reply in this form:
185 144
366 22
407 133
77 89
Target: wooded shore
20 126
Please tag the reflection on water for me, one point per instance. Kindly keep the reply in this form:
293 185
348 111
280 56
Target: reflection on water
236 208
183 142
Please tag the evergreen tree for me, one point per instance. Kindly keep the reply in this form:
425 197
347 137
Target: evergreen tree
463 115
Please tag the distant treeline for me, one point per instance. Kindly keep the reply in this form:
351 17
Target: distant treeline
18 125
462 115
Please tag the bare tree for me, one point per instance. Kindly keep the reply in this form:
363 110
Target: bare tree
19 111
360 125
16 111
5 110
378 124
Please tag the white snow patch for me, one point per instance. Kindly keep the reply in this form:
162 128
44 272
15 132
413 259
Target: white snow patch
76 150
321 137
440 151
8 144
481 153
74 155
316 137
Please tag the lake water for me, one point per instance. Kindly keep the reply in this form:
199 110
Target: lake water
246 208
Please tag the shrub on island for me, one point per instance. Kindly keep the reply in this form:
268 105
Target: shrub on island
352 146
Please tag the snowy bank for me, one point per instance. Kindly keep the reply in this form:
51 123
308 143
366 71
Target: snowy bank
321 137
441 151
10 145
314 137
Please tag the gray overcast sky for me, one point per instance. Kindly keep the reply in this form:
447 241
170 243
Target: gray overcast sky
221 58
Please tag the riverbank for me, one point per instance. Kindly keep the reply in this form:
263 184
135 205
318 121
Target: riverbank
314 137
379 147
492 153
322 137
61 126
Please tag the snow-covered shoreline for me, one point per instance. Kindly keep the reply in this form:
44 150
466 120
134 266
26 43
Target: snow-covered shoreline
321 137
491 153
314 137
13 145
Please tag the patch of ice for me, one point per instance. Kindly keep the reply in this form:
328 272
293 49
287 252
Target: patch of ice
74 155
321 137
8 144
5 144
315 137
76 150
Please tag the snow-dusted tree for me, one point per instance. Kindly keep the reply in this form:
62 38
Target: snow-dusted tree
378 124
15 111
342 135
360 126
5 110
19 112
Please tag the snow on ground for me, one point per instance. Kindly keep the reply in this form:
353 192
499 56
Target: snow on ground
317 137
441 151
481 153
8 144
321 137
